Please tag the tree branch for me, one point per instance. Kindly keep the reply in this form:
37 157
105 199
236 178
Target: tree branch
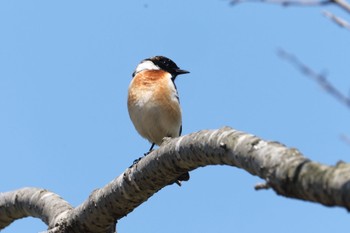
339 21
285 170
340 3
33 202
320 79
343 4
345 139
288 2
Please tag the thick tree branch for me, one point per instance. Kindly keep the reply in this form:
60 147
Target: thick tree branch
285 170
32 202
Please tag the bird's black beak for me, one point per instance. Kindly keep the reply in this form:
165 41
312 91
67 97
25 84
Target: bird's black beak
179 71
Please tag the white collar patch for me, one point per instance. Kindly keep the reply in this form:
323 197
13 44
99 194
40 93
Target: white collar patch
146 65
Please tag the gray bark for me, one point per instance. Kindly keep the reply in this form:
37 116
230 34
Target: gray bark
285 170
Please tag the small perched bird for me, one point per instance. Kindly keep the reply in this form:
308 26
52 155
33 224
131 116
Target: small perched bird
153 101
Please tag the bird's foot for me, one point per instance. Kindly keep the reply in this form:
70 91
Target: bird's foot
145 154
135 161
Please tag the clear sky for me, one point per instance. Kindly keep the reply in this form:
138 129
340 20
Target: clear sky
65 67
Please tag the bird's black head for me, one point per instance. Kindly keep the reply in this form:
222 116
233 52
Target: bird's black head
168 65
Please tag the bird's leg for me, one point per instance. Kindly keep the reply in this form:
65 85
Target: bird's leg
137 160
150 149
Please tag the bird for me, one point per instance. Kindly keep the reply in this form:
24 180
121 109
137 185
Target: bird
153 101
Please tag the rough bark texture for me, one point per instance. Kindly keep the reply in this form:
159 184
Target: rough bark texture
285 170
33 202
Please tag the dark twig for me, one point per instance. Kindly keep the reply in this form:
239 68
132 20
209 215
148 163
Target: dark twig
319 78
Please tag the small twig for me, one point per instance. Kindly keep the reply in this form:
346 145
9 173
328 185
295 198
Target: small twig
262 186
288 2
319 78
343 4
339 21
345 139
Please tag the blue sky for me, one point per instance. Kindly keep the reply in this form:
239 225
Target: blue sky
64 126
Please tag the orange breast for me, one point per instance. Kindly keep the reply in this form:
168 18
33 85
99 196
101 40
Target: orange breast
153 106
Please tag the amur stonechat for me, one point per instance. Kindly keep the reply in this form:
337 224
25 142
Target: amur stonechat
153 101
